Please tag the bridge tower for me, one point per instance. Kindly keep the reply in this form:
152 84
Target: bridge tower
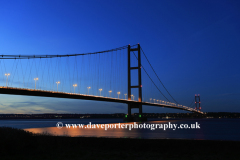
139 86
197 102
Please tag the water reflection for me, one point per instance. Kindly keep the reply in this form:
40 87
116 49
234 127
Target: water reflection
211 129
117 132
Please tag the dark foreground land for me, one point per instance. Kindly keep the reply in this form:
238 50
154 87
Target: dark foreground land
18 144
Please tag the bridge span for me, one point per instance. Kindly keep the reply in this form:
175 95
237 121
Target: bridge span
54 94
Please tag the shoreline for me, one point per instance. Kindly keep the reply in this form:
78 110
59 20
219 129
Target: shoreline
128 137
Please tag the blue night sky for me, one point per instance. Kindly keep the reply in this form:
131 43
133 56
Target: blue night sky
194 46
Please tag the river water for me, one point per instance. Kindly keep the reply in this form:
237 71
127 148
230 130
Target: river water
204 129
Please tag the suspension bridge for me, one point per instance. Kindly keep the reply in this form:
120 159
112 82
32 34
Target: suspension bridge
118 75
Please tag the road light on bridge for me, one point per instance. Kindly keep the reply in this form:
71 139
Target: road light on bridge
57 85
100 91
125 96
75 85
150 100
154 100
88 89
7 74
110 93
132 96
118 94
35 79
157 100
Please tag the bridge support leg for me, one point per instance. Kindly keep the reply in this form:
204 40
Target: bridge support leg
140 109
129 110
128 117
136 118
135 104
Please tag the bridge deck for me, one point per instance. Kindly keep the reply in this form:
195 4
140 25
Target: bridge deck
44 93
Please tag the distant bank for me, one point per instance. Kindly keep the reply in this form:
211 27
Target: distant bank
121 115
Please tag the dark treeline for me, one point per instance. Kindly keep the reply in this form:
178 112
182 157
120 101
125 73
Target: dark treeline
120 115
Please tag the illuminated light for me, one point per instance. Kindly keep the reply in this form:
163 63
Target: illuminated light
35 79
75 85
118 94
125 95
195 102
110 93
57 85
7 74
126 116
199 102
140 116
141 85
100 91
88 89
